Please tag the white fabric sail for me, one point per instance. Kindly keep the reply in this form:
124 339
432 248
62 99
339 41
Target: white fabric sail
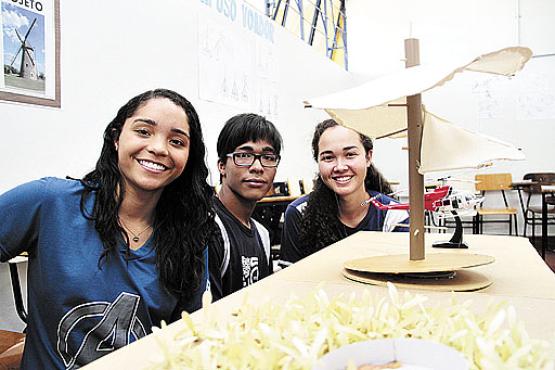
446 146
372 108
377 109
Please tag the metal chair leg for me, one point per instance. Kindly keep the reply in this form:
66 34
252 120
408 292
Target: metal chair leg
525 223
16 287
533 229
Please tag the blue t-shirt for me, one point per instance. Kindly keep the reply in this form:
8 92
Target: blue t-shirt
78 310
375 220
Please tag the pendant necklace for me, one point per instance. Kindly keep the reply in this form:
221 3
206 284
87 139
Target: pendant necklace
136 237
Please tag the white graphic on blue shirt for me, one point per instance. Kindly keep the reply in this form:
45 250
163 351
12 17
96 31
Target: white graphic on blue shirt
250 270
118 323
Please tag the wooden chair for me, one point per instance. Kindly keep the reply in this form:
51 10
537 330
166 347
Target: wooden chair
532 208
489 183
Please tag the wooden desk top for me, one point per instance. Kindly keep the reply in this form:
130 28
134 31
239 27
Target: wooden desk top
519 277
536 280
279 199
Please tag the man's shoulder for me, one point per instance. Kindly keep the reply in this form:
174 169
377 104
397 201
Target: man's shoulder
260 229
223 213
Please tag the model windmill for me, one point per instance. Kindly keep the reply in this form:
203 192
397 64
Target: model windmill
28 68
392 104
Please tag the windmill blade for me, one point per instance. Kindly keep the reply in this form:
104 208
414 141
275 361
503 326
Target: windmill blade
29 30
19 37
16 54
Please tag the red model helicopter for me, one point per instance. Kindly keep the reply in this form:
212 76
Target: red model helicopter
432 200
445 201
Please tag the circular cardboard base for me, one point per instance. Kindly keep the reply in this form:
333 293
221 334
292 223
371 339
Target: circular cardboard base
400 263
462 281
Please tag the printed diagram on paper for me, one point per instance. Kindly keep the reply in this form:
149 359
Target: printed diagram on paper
236 68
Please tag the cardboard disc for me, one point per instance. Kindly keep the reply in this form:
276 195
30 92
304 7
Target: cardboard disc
462 281
400 263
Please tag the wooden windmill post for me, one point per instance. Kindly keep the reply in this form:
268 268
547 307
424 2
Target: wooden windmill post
416 180
379 269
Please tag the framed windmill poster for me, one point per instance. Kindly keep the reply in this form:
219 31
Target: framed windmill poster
30 51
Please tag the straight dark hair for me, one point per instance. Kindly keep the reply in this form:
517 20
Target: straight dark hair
183 219
246 127
320 225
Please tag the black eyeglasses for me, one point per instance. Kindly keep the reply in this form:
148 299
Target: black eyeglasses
246 159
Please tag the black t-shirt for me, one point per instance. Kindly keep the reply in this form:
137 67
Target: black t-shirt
244 261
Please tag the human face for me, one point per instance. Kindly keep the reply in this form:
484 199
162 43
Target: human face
343 162
250 183
153 146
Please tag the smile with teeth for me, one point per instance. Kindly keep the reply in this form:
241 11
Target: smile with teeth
343 178
152 165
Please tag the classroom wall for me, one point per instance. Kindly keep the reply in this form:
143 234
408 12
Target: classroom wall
113 50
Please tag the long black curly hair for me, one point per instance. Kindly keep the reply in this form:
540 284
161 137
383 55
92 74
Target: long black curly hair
183 217
320 225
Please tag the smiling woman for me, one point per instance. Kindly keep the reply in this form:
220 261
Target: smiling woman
125 246
334 209
153 147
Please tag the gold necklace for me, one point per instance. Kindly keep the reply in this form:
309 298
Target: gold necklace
136 237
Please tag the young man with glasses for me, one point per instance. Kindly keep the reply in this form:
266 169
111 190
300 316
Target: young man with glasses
248 155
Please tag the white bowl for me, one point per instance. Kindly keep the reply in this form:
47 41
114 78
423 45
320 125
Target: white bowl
413 354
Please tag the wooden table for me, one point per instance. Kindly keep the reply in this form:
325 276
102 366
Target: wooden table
278 199
519 276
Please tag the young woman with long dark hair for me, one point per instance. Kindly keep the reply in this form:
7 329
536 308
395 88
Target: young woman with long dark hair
333 210
123 248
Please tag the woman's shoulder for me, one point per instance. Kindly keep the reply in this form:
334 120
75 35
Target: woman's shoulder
49 186
48 194
57 185
299 203
296 207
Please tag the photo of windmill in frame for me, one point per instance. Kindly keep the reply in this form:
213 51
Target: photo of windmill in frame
23 48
